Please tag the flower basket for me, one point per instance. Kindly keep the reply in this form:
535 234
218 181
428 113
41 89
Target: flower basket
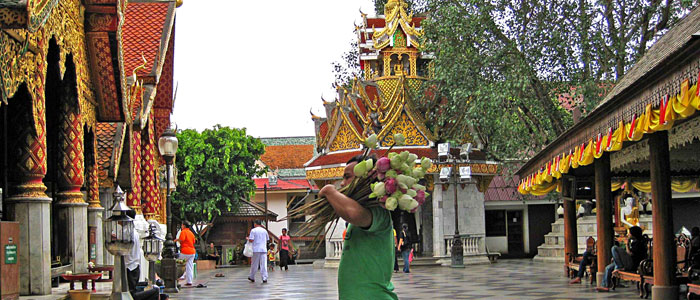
390 183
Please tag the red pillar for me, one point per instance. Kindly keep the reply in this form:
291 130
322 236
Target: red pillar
149 174
570 233
604 212
70 150
133 197
662 218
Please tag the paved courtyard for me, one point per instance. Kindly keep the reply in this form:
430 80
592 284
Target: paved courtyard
507 279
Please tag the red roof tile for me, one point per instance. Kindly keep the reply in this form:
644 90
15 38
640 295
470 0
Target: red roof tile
343 157
324 129
504 188
105 146
284 184
142 32
287 156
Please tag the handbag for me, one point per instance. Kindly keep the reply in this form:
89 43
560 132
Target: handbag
410 256
248 249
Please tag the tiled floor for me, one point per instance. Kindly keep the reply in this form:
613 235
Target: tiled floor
507 279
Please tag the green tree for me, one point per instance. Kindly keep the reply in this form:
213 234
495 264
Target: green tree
502 64
215 170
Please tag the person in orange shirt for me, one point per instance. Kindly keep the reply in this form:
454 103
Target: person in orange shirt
187 252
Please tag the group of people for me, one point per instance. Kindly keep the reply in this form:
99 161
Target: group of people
628 258
264 252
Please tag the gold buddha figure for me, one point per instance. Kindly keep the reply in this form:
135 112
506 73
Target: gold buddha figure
398 70
629 214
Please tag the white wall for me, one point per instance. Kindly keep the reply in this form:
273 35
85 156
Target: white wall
277 203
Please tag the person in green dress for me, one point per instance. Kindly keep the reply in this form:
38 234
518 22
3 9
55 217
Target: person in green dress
368 249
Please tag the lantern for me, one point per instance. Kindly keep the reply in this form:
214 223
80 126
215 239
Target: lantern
152 243
167 144
119 228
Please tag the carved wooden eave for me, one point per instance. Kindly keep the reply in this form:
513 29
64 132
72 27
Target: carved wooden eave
103 26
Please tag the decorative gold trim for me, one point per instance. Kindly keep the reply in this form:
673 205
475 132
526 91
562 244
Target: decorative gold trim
328 173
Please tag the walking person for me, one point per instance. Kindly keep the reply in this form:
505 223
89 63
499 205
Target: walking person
396 253
405 246
365 265
187 252
285 254
271 257
259 237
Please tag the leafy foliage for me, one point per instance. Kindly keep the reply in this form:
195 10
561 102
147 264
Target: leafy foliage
215 170
501 65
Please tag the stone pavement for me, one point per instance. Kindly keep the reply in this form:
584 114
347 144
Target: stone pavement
507 279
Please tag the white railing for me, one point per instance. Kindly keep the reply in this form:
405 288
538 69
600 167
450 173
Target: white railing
334 247
471 245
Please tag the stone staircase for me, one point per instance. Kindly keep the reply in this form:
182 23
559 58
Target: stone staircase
553 248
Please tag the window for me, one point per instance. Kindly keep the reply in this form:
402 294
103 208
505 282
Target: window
495 223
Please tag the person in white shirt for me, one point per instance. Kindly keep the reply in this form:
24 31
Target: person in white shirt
133 269
259 237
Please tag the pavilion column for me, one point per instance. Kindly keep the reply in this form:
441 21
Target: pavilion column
95 209
133 196
604 213
149 190
72 208
28 203
662 218
438 234
570 234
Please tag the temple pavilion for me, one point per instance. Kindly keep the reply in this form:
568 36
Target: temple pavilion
86 90
642 142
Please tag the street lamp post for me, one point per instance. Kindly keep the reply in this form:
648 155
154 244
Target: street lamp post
167 146
451 173
119 233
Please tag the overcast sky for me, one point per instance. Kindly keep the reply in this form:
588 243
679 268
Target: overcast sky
261 65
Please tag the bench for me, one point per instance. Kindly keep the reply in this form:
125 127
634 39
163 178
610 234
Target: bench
571 267
644 278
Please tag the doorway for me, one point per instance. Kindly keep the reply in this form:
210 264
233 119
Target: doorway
516 241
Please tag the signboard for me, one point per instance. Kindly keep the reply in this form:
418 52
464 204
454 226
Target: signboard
93 252
10 254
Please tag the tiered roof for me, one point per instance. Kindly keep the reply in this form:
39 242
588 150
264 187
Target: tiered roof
381 101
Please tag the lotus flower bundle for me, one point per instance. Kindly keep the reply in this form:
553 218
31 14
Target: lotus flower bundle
391 182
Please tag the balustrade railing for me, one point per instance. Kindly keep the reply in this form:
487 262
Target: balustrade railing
471 245
334 247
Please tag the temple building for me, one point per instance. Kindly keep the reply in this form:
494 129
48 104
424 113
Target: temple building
636 153
87 89
381 103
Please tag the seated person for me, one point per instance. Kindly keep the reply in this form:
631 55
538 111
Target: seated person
626 260
585 261
212 254
694 255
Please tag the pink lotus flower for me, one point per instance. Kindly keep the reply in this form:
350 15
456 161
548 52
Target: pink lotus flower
390 185
383 165
383 199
